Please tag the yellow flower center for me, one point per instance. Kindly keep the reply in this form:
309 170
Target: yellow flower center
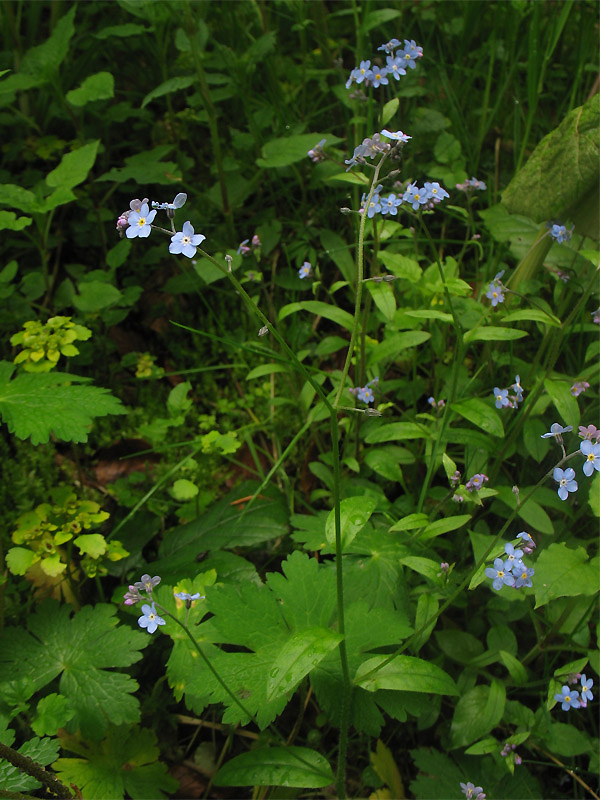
142 222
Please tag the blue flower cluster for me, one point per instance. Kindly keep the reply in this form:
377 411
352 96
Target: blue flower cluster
512 571
504 400
591 453
398 59
471 184
430 194
137 223
150 620
365 393
570 697
471 791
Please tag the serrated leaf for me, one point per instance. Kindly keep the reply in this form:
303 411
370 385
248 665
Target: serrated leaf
167 87
406 674
53 712
298 656
124 763
481 414
563 572
82 649
92 544
19 559
100 86
183 490
562 168
37 405
326 310
354 515
492 333
43 751
74 167
277 766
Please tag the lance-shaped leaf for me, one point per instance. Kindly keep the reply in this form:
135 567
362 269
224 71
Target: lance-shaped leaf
298 656
404 673
277 766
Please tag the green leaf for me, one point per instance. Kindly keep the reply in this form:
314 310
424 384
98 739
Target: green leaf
492 333
444 525
354 515
389 110
146 168
567 740
225 525
481 414
398 431
74 167
594 499
290 149
53 712
477 712
128 29
183 490
410 522
267 369
530 512
95 295
83 650
378 17
572 666
427 607
391 347
19 559
383 296
124 763
562 169
36 405
532 315
167 87
100 86
516 670
563 572
92 544
335 314
385 461
43 751
406 674
17 197
46 58
564 402
298 656
277 766
10 222
401 266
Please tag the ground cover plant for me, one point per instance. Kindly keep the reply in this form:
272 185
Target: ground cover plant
299 400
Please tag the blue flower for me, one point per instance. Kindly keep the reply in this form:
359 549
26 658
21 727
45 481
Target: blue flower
592 457
374 206
556 430
494 294
435 192
565 480
476 482
560 234
389 205
305 270
579 387
568 698
363 72
390 46
178 202
379 76
523 575
186 241
501 396
150 619
186 596
409 53
500 574
518 389
586 685
140 222
513 556
395 67
471 791
397 135
415 196
365 394
147 583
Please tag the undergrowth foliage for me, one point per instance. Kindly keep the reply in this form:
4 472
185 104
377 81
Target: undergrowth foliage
334 499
